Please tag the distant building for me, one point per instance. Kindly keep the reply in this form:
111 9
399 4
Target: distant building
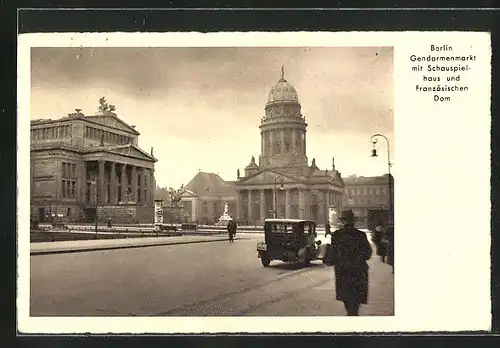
205 196
369 198
308 191
82 163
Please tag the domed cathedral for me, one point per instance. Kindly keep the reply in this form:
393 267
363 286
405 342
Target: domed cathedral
283 184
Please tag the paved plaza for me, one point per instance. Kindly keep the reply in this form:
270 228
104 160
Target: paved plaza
195 278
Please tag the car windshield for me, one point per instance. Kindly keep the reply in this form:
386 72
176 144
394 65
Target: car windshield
292 228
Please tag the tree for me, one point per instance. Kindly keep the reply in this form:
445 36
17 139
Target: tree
175 196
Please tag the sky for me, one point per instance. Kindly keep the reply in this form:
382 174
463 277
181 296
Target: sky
200 108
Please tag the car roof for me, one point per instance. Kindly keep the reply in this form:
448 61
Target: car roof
288 220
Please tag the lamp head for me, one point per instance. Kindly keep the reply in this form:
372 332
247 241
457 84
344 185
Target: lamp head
374 153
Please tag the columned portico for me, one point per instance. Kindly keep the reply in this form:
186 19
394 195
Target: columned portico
115 184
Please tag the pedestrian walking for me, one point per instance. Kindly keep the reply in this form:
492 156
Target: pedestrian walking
389 237
328 230
379 241
348 253
231 229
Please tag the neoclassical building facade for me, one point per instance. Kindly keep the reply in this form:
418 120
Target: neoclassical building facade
283 184
87 166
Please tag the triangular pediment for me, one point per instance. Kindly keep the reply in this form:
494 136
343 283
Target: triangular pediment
132 151
188 194
267 177
112 120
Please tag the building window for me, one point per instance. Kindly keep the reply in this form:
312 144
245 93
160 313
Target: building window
68 188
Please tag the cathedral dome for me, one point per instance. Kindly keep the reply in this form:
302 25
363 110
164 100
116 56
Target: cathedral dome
282 91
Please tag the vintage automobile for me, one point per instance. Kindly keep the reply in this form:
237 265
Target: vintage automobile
290 240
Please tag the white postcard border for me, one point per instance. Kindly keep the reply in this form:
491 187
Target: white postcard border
422 301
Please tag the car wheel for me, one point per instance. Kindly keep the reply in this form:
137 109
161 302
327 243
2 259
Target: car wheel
265 261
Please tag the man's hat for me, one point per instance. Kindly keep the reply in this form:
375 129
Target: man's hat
348 215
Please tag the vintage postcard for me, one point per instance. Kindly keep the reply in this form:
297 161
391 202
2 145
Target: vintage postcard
188 183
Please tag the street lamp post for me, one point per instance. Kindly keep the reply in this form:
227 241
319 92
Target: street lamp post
281 180
373 139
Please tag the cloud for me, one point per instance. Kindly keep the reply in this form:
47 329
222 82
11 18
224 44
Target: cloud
214 98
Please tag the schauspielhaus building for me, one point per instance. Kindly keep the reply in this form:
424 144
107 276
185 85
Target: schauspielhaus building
87 166
283 183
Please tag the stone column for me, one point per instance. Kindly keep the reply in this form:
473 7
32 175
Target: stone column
124 182
113 187
142 186
294 139
262 205
250 206
101 184
133 178
302 205
83 182
287 203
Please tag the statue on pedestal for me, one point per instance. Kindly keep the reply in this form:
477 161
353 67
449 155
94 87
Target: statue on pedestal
225 217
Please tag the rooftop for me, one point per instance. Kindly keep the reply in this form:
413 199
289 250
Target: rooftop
210 184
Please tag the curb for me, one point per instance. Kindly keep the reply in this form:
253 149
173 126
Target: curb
69 251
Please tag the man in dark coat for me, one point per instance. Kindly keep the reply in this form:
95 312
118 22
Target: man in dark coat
327 229
379 242
231 229
350 251
389 237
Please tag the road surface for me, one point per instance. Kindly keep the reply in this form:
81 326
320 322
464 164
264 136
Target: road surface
206 279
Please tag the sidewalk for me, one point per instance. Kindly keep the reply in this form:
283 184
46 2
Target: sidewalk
320 297
105 244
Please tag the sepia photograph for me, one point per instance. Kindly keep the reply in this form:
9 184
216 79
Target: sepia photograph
211 181
192 183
